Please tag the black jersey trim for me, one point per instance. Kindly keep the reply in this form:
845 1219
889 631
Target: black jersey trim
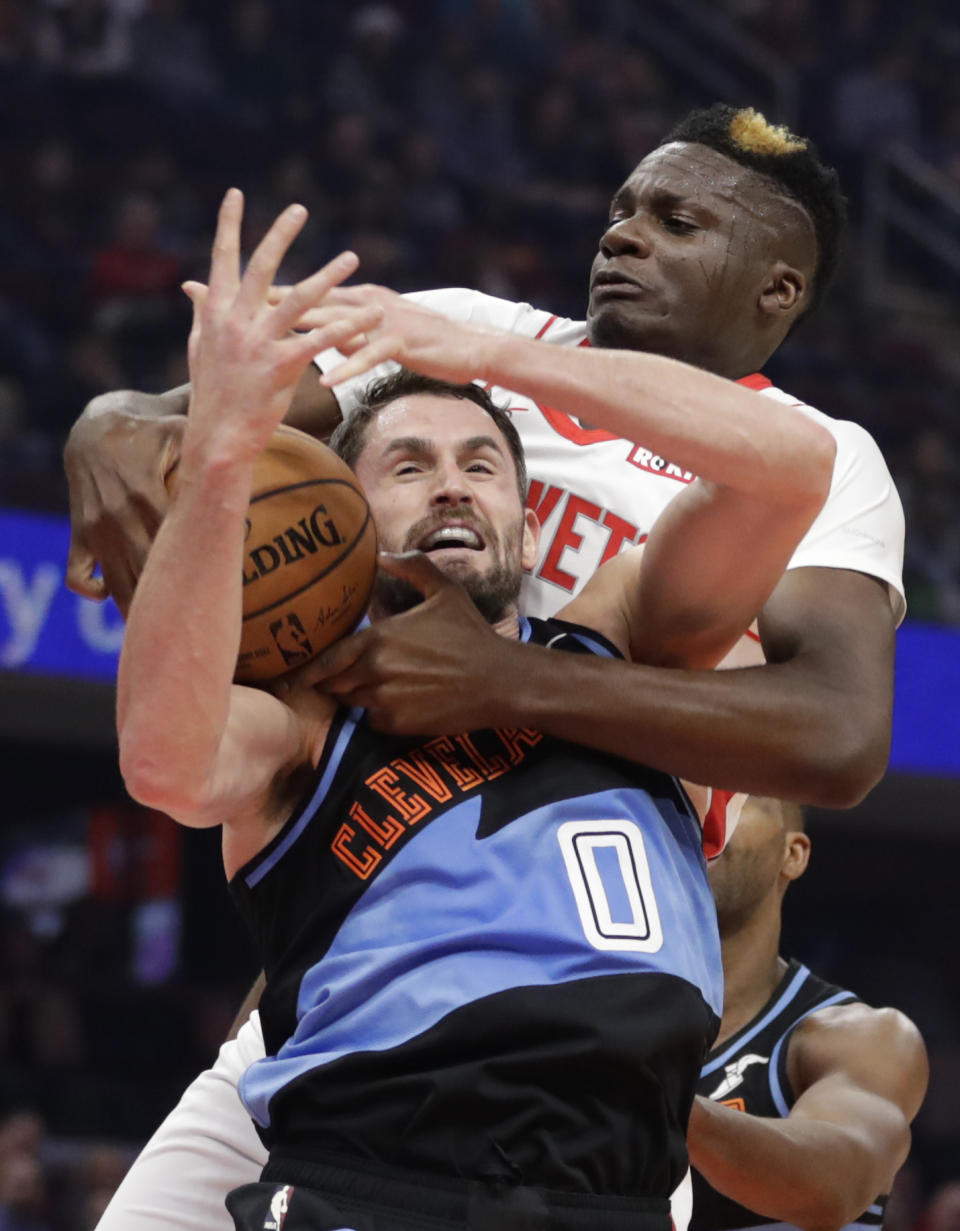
734 1044
589 638
264 861
776 1089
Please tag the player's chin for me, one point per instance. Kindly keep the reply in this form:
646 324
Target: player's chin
624 324
460 562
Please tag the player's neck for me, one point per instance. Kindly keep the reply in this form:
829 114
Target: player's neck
509 626
752 967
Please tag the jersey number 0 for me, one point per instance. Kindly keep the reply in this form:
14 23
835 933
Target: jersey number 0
610 878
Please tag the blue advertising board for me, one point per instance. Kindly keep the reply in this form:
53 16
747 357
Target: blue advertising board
44 629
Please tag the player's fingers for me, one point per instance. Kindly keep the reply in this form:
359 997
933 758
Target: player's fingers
310 291
387 346
417 569
196 292
81 564
339 333
334 661
225 254
263 265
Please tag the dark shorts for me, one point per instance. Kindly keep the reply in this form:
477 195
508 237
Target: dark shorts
310 1196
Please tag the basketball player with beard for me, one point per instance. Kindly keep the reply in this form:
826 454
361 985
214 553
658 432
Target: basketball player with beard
718 243
491 960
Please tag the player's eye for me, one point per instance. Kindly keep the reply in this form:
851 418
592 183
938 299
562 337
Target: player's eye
408 468
679 225
480 468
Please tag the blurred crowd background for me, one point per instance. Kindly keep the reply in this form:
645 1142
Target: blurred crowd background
449 142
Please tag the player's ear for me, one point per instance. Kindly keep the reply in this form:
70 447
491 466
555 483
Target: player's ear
784 290
797 854
531 539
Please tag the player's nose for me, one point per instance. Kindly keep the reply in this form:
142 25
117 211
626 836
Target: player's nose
450 485
626 237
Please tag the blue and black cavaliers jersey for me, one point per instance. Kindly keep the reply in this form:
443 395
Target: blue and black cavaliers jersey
749 1072
488 955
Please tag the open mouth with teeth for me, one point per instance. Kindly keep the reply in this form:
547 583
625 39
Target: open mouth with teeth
452 536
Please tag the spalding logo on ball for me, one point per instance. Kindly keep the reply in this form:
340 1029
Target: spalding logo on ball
310 560
310 556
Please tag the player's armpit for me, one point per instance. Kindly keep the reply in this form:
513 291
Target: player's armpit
603 604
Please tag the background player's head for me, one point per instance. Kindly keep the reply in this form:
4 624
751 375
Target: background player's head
443 471
718 242
769 850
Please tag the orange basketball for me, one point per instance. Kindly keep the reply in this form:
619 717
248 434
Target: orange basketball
309 559
311 556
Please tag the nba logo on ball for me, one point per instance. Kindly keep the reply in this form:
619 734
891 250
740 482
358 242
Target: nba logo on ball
279 1204
309 560
291 640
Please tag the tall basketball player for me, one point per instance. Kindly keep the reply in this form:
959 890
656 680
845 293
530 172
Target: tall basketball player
492 964
717 244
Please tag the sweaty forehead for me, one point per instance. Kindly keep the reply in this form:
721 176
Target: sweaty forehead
687 170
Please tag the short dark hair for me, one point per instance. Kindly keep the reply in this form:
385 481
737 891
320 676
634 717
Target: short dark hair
350 437
792 162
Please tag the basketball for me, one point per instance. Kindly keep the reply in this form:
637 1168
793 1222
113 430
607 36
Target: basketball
309 558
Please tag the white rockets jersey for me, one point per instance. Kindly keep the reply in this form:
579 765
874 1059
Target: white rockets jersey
595 493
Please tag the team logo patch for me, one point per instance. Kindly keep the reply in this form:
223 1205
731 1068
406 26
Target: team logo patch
733 1074
279 1204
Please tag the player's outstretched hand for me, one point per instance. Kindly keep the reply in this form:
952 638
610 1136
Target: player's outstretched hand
245 363
437 669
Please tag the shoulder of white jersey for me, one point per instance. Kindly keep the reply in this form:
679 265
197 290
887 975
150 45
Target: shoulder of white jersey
480 309
863 507
473 307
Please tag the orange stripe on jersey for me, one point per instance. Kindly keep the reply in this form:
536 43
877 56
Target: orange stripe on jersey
538 336
755 381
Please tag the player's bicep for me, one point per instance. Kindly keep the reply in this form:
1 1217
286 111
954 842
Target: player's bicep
855 1047
712 559
865 1071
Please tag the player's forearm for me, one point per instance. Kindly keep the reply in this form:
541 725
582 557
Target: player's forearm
182 639
131 402
707 423
770 730
314 409
812 1174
